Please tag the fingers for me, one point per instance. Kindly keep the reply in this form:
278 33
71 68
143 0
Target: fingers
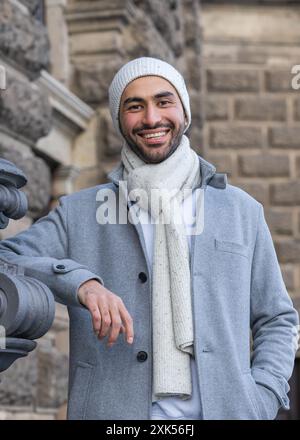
93 307
116 325
128 323
105 320
110 318
121 322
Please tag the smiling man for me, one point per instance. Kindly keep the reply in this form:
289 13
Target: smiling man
152 118
185 302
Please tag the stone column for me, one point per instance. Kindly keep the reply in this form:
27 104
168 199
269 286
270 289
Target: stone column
58 36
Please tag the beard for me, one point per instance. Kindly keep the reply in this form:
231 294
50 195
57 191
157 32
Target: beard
154 153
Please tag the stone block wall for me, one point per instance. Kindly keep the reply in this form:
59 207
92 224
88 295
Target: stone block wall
252 124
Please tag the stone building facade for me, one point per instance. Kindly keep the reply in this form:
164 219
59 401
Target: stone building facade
251 121
60 56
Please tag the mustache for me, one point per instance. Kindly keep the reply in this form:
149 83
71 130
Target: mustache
149 127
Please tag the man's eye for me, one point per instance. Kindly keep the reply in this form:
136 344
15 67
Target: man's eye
134 107
163 103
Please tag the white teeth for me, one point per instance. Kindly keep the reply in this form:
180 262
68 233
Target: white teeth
154 135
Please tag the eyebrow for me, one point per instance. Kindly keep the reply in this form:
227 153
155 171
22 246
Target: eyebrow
157 96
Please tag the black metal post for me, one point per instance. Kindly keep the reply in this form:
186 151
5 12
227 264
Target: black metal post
26 305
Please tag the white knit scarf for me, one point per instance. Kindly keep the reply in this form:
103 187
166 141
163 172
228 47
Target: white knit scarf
172 321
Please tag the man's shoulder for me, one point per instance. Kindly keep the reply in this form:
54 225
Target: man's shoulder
241 194
88 194
235 195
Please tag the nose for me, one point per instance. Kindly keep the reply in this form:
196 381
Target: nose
151 115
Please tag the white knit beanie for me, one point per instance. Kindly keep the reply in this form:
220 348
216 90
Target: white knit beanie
146 66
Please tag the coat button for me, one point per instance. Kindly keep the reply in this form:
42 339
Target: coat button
143 277
60 266
142 356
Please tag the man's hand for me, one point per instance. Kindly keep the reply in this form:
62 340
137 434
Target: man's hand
108 311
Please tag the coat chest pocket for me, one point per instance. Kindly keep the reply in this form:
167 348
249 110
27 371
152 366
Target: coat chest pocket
232 247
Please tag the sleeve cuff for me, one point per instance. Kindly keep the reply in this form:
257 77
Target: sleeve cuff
69 283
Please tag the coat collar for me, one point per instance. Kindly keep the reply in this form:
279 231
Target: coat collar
208 175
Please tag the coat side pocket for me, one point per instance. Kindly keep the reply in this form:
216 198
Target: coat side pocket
250 385
263 400
79 392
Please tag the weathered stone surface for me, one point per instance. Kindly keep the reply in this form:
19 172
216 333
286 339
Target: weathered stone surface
90 177
285 137
107 135
40 380
264 165
286 193
91 81
52 382
193 73
252 23
32 5
62 413
297 109
196 110
85 148
222 162
298 166
216 109
260 191
167 20
288 251
232 80
192 28
261 109
15 227
25 110
141 38
232 136
38 188
289 274
279 81
23 39
196 139
279 221
18 414
58 39
19 383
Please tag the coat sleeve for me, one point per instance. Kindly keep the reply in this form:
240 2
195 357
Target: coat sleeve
42 251
274 321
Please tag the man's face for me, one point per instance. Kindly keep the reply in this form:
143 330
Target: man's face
152 118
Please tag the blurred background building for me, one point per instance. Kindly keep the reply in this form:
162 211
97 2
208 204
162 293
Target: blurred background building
60 57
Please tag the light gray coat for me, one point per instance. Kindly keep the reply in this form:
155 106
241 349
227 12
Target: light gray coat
236 285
